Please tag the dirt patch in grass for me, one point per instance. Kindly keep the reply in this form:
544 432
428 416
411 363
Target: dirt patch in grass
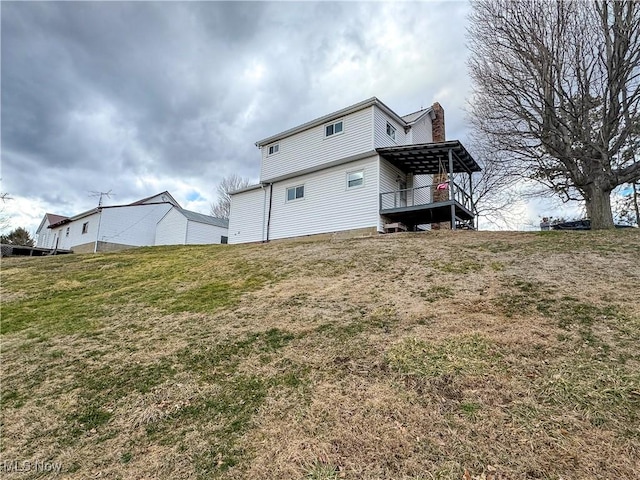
400 356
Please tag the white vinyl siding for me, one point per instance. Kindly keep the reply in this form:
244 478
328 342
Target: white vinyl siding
203 233
43 239
171 229
45 235
423 195
311 148
76 237
328 205
390 179
421 131
160 198
247 218
381 138
133 225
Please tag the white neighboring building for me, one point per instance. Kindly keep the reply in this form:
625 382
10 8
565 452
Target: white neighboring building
44 234
184 227
362 168
138 224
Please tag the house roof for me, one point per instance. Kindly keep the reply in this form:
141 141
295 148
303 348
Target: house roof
331 116
145 200
415 116
430 158
202 218
53 218
50 218
75 217
64 220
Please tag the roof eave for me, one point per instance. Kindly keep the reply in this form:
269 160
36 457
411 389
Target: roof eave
429 111
466 160
247 189
327 118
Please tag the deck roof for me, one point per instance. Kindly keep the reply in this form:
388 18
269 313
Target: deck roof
430 158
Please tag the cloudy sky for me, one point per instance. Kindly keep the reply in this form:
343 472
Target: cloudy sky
141 97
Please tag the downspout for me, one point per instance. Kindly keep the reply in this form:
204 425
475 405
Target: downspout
269 212
264 215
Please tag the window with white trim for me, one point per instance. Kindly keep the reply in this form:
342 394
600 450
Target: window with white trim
355 179
295 193
333 129
85 227
273 149
391 131
67 231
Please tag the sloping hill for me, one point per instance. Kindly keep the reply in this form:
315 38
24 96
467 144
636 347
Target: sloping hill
502 355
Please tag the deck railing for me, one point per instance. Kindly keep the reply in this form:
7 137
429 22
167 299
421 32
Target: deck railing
412 197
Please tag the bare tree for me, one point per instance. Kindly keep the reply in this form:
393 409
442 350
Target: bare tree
557 93
626 208
222 206
494 188
5 220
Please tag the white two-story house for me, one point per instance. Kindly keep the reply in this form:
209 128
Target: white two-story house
363 168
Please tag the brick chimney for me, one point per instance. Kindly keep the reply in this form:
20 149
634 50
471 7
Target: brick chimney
437 124
438 135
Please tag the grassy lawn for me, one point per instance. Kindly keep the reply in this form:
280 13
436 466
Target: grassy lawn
447 355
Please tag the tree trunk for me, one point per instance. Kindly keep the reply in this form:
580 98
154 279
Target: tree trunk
598 203
635 204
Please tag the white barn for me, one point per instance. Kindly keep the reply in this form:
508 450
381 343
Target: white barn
183 227
363 168
108 228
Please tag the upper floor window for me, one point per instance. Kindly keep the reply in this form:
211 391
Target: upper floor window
85 227
67 231
275 148
391 131
333 129
295 193
355 179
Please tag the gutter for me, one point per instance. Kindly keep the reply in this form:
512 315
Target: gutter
331 116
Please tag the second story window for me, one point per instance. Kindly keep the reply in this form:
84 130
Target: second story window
295 193
333 129
275 148
85 227
67 234
391 131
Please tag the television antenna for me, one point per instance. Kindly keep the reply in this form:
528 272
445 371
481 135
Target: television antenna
101 195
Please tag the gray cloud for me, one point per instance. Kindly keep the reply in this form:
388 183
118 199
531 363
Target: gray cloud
140 97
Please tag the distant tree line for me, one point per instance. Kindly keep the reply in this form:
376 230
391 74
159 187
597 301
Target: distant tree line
19 236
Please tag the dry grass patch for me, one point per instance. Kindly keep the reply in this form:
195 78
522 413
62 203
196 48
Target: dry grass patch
402 356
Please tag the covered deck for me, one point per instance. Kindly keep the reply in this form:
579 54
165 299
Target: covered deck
448 199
